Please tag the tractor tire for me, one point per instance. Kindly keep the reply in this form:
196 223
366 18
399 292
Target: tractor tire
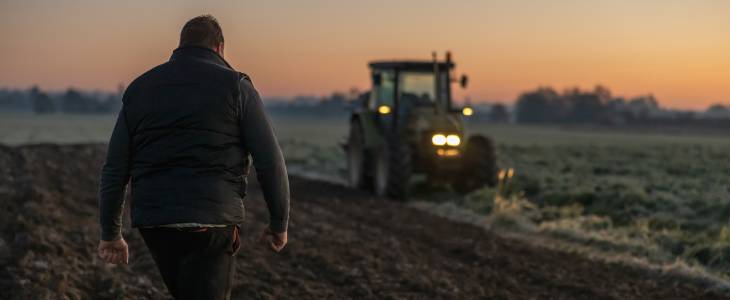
478 165
359 160
392 176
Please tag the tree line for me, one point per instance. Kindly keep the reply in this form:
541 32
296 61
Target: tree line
599 106
71 100
543 105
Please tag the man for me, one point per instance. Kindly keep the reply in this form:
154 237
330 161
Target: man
183 137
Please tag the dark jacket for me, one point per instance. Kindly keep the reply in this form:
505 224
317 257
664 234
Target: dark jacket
184 136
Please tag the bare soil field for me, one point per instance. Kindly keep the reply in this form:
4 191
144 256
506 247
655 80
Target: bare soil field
343 244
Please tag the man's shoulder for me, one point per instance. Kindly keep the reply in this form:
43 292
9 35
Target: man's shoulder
245 81
145 77
244 76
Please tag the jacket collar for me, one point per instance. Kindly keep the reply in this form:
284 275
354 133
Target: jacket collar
201 53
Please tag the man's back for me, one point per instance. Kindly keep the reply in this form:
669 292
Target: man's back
183 117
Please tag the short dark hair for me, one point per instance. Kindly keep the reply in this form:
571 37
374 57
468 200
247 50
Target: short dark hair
201 31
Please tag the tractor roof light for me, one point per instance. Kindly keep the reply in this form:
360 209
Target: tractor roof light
384 109
438 139
453 140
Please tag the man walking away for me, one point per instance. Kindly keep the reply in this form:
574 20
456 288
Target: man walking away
183 137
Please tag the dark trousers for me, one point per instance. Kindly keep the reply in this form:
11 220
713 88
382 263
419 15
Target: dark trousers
195 263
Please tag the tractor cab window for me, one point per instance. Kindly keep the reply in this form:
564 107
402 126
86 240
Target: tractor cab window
385 89
384 93
417 88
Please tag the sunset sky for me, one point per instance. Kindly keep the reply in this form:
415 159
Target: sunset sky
677 50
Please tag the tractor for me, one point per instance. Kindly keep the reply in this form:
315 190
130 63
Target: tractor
407 126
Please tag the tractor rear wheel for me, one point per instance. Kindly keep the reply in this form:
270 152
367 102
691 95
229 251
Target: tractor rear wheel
359 162
393 169
478 165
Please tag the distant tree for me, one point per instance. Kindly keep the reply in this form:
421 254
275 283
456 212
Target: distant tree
42 104
718 108
642 107
14 100
587 107
74 101
617 111
602 93
718 111
498 113
540 106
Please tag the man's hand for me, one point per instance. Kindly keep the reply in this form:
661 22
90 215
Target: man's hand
276 241
114 252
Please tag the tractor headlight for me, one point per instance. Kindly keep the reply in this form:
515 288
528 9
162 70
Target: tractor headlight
453 140
439 139
384 109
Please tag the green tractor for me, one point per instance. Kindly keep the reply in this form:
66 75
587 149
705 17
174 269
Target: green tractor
408 125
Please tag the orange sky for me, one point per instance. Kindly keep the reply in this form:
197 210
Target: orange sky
678 50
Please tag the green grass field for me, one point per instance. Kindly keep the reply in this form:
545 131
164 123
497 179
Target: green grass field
657 196
661 199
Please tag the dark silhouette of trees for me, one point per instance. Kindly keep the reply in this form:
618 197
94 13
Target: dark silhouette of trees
643 107
545 105
499 113
586 107
541 106
73 101
336 104
41 102
718 111
575 106
14 100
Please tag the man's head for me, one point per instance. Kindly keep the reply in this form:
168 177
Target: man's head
203 31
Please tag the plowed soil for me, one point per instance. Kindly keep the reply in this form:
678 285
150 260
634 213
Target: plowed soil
343 244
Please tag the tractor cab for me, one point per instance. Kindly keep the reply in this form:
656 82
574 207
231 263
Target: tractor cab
402 88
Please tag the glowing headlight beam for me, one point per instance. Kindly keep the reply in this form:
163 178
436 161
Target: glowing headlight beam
453 140
438 139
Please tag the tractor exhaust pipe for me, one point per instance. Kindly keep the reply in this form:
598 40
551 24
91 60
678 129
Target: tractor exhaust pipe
436 77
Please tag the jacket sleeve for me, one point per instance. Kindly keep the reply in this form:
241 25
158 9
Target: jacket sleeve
259 139
114 178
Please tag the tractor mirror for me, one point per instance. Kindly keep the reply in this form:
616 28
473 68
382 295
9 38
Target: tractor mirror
463 81
377 78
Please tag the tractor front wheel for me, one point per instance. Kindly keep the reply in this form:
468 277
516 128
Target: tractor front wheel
478 165
393 169
358 159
